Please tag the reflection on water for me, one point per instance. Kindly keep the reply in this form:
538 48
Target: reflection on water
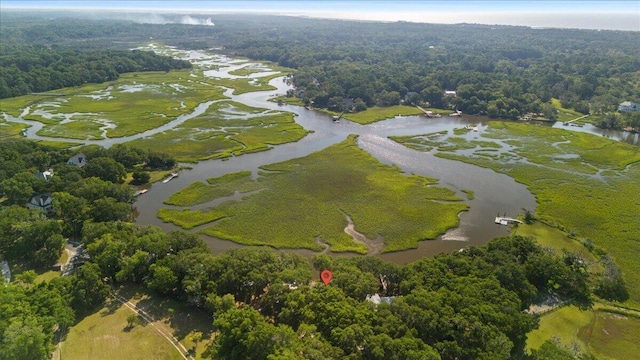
493 193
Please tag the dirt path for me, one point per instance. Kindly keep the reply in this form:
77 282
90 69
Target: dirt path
162 330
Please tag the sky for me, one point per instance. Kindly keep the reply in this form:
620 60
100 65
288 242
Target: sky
605 15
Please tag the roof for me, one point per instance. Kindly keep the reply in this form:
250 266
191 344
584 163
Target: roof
41 200
44 175
78 160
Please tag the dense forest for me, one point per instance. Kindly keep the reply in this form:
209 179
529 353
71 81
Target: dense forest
465 305
27 69
268 304
501 71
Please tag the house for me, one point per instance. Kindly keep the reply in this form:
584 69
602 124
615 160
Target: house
78 160
46 175
449 93
42 202
377 299
628 106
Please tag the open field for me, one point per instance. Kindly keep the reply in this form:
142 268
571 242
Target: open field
602 333
584 184
226 128
106 335
299 204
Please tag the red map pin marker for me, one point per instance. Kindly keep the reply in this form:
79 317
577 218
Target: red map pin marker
326 276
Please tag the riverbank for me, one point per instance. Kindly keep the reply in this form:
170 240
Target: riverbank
306 198
584 184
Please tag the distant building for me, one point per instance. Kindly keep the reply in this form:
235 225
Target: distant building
44 175
78 160
43 202
450 93
377 299
628 106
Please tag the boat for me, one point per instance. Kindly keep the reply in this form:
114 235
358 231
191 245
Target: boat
170 177
140 192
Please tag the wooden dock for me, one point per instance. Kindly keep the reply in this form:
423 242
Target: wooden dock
428 113
576 119
501 220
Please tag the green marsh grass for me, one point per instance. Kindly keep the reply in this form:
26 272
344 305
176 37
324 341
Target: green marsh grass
291 100
188 219
15 106
377 113
223 130
9 129
306 199
597 331
570 196
226 185
470 194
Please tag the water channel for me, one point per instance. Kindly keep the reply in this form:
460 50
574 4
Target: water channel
494 192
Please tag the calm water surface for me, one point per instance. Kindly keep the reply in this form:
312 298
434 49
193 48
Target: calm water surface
494 193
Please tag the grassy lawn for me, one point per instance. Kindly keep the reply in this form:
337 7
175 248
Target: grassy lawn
106 335
604 334
555 238
376 113
584 184
307 198
564 114
47 275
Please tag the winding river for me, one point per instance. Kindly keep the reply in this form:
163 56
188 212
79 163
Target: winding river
493 192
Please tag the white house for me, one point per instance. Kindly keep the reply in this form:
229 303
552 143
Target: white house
628 106
42 202
46 175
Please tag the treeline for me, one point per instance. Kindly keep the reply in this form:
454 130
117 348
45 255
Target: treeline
265 304
33 314
27 69
501 71
93 193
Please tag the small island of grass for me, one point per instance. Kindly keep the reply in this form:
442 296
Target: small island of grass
305 202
